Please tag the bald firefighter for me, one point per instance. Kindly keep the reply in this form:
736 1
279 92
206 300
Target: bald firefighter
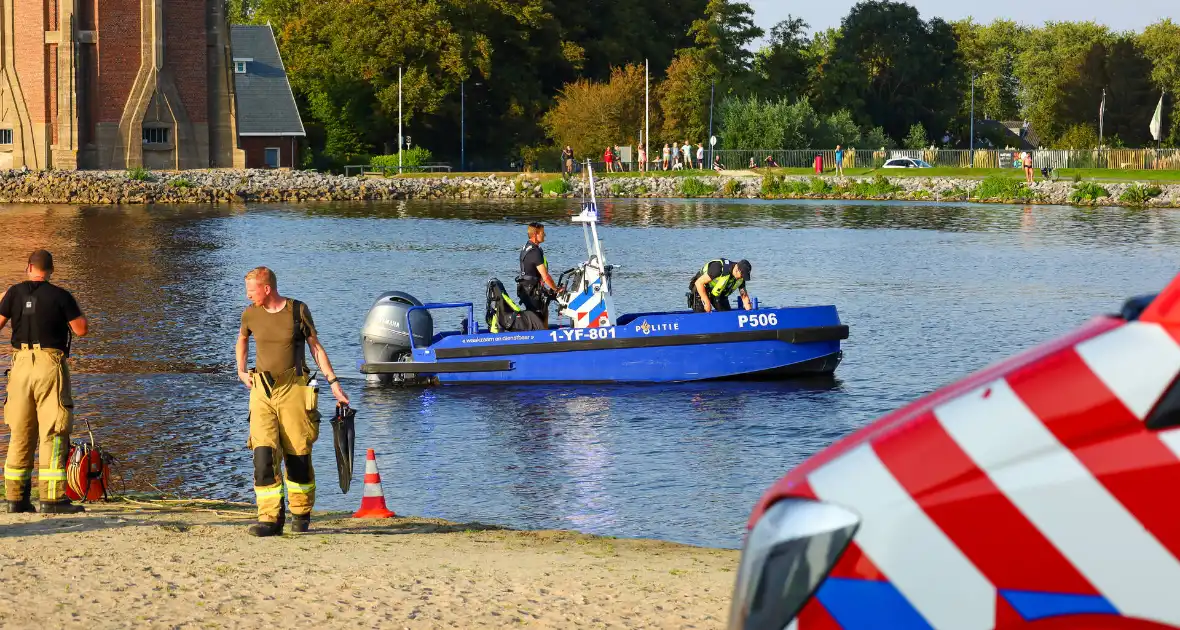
40 407
284 414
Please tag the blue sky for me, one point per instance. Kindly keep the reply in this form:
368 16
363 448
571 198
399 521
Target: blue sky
1119 15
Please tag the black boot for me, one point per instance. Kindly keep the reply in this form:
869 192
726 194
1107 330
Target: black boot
300 524
61 507
24 506
262 529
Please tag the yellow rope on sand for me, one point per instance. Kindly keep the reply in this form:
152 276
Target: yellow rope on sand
162 506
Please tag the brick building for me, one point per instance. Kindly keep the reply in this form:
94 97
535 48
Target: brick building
113 84
269 125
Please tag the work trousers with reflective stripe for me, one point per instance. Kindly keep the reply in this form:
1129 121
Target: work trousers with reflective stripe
284 424
39 410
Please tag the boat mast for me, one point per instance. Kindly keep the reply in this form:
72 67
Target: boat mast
593 236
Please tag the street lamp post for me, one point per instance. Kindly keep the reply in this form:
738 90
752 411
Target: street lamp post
462 126
971 153
399 120
712 91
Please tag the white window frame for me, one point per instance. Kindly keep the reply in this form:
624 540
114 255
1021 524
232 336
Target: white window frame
240 64
277 150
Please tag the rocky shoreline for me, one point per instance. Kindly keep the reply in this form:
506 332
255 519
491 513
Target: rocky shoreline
270 186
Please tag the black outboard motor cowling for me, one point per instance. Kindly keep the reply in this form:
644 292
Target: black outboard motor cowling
385 336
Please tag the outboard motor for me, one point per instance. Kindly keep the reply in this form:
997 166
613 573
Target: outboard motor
385 337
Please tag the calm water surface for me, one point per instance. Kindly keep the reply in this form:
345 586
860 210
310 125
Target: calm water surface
931 293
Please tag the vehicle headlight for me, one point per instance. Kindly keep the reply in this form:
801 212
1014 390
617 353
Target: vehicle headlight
786 556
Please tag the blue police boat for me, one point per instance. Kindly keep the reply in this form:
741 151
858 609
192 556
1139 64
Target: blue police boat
594 345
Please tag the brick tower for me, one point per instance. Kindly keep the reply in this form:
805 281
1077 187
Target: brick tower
113 84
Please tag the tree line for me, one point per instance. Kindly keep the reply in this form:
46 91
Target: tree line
524 78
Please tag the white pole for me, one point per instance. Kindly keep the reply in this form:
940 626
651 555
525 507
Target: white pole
646 112
399 120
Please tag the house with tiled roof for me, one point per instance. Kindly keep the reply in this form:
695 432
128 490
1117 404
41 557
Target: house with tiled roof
269 126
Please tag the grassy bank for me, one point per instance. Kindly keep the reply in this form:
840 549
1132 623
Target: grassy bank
153 564
1084 174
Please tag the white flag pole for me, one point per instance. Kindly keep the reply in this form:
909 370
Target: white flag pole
646 112
1101 117
1157 121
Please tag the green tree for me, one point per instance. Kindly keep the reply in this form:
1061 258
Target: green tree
240 11
1050 61
684 97
755 123
916 139
590 116
989 53
1160 42
840 128
722 34
819 60
893 69
1078 137
876 138
783 66
1124 72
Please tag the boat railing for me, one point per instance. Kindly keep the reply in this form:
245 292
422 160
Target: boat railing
472 327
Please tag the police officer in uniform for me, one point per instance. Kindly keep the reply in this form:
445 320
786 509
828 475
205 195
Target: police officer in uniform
284 414
710 288
40 407
534 286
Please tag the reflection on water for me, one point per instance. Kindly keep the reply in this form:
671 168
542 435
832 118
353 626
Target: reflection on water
930 292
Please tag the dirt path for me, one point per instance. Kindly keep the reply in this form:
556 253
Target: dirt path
118 567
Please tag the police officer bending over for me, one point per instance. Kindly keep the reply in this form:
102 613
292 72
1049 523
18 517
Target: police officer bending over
710 288
284 414
40 406
534 286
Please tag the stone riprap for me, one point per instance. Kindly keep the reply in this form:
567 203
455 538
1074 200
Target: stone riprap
262 186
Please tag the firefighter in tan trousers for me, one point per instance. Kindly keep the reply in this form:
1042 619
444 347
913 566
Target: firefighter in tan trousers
39 409
284 415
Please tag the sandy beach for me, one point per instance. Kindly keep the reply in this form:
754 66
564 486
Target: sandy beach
175 566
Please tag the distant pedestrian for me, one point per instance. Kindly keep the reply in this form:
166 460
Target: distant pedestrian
687 151
839 161
567 160
667 156
642 159
608 158
1026 161
700 155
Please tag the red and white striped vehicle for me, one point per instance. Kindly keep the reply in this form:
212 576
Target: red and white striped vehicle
1039 493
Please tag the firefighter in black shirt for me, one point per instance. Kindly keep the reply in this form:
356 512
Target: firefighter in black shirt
40 407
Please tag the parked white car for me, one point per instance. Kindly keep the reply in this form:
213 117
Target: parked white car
905 162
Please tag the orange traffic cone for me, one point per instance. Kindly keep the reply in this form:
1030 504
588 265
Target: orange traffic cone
373 501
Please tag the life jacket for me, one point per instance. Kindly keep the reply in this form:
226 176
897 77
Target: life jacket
722 285
527 276
505 315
